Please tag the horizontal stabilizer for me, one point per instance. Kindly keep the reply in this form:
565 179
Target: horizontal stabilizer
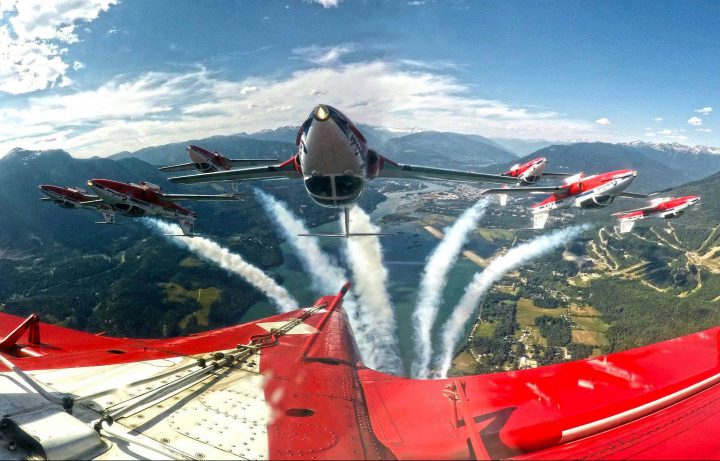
363 234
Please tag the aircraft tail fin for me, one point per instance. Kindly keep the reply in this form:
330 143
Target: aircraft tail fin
108 217
626 226
539 220
187 226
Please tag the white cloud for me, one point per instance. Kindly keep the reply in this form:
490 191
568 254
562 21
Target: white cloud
77 65
695 121
657 119
603 121
158 108
669 134
328 3
704 110
703 130
33 38
323 55
113 30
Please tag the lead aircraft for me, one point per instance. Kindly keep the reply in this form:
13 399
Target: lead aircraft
595 191
293 386
129 199
335 162
663 208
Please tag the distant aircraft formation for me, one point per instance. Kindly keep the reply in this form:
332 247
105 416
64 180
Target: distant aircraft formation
335 162
128 199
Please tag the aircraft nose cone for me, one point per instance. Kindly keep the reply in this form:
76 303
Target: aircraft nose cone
321 113
634 173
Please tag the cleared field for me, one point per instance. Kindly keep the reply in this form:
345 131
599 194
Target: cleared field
190 262
205 297
591 338
590 323
496 234
464 362
584 311
580 281
485 329
527 312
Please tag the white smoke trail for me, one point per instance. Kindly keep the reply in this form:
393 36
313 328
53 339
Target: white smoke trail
326 275
481 283
232 262
375 311
434 280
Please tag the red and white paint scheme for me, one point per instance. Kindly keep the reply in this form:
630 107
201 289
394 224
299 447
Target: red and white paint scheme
129 199
664 208
205 161
335 162
580 191
528 173
293 386
75 197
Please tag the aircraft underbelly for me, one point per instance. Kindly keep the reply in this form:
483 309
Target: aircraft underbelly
329 152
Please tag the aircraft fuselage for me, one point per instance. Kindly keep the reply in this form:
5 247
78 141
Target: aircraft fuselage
595 191
334 158
529 172
137 199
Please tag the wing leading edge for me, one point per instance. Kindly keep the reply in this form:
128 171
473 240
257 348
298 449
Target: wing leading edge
391 169
278 171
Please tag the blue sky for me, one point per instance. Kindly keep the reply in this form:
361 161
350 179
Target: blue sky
100 76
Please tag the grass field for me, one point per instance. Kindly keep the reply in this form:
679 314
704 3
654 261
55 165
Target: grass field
190 262
464 362
496 234
485 329
591 338
527 312
205 297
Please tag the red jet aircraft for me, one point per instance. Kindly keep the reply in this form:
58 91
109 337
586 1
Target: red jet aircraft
581 191
335 162
664 208
293 386
206 162
529 173
75 197
129 199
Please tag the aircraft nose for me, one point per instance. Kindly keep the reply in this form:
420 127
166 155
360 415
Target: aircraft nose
321 112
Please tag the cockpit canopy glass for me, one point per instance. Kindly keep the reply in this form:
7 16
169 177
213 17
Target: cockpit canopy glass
347 185
320 186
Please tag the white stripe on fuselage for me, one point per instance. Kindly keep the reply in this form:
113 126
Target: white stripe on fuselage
612 187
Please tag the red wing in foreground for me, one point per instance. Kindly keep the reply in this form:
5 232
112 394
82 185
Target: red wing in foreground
292 387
